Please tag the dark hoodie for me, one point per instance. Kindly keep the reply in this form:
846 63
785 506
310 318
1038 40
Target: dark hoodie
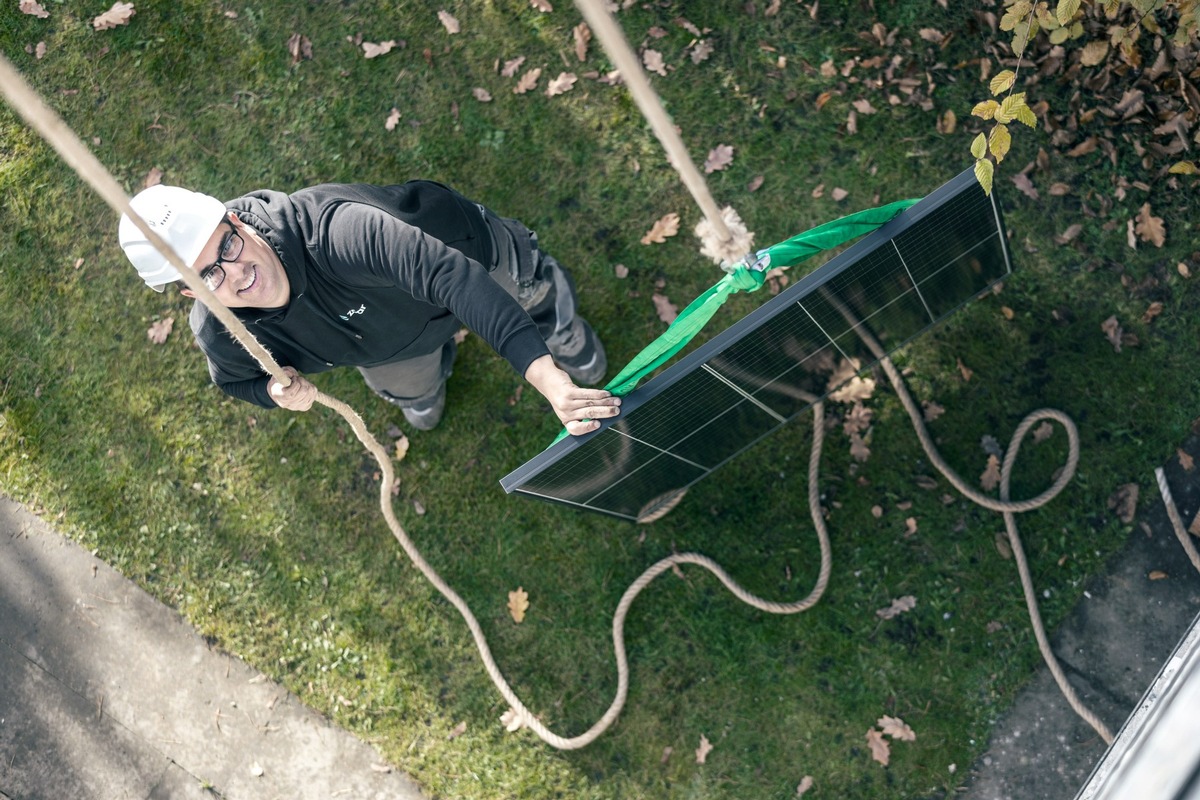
377 273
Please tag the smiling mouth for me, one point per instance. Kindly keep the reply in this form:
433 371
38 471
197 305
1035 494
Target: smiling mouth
253 281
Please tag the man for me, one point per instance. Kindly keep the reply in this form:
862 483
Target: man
375 277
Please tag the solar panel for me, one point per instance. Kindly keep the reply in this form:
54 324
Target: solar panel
772 365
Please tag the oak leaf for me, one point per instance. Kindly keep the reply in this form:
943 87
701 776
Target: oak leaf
159 331
990 478
449 22
1124 502
392 119
33 8
701 51
1112 331
703 750
665 309
561 84
652 60
880 751
528 81
583 36
373 50
897 729
932 410
511 66
858 448
518 604
119 14
719 158
898 607
1149 228
1185 460
1042 432
1152 311
663 228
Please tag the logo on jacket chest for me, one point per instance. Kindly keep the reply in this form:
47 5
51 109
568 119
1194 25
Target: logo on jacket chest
360 310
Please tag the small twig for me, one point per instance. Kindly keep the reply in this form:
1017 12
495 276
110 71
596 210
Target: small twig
100 707
217 719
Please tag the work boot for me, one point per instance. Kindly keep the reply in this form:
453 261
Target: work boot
579 353
425 413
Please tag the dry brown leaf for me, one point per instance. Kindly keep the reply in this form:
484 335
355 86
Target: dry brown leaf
806 783
1059 189
300 48
419 508
703 750
819 191
880 751
561 84
1069 234
947 123
1088 145
665 309
39 51
1194 528
373 50
1042 432
664 227
964 370
719 158
153 178
1112 331
1003 546
401 448
898 607
518 604
392 119
839 194
876 511
932 411
858 448
481 94
1150 228
755 183
1152 311
701 51
897 729
528 81
863 106
511 66
910 526
583 36
512 721
990 478
852 122
457 731
1183 270
159 331
542 5
1124 502
1185 460
33 8
621 271
1094 53
1026 186
1156 575
449 22
652 60
119 14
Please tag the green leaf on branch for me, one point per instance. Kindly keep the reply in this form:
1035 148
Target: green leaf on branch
1011 107
1002 82
1025 114
999 142
979 146
1066 11
1015 14
987 109
983 173
1059 35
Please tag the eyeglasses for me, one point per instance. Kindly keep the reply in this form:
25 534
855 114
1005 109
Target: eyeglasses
214 274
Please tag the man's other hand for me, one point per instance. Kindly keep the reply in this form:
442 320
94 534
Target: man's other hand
580 410
298 395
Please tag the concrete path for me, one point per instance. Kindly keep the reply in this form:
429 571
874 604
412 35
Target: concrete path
106 693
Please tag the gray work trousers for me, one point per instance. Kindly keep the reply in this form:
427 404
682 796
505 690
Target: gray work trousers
539 283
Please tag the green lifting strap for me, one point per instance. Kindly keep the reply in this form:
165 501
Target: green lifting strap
743 278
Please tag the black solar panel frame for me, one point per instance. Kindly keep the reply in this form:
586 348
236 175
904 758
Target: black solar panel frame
683 472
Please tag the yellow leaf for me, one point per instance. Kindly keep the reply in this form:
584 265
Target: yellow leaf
1183 168
987 109
518 604
984 170
1025 114
1002 82
1059 35
999 142
1010 106
1066 11
979 146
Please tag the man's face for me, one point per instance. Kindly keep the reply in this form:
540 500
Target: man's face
253 274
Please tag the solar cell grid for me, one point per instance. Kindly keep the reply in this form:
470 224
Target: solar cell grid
772 365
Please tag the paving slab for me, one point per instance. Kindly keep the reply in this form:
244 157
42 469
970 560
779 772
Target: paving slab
106 693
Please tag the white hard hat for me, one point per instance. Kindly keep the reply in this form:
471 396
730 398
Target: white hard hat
185 219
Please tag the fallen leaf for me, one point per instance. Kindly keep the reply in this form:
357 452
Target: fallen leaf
858 419
372 50
621 271
806 783
1069 234
419 507
1003 546
858 448
910 527
583 36
511 67
518 604
947 123
383 768
880 751
1094 53
561 84
876 511
393 118
863 106
1059 189
898 607
1124 502
1112 331
990 478
932 411
754 184
119 14
652 60
159 331
33 8
542 5
300 48
457 731
964 370
1150 228
1183 270
897 729
39 52
839 194
927 483
1042 432
1157 575
666 754
449 22
995 625
1185 460
516 395
703 750
481 94
401 448
1152 311
1022 182
528 81
665 309
153 178
701 51
1194 528
511 720
664 227
719 158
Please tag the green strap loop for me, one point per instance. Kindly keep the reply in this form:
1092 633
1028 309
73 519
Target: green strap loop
785 254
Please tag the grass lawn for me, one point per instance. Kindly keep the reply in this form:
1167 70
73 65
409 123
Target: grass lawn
262 526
